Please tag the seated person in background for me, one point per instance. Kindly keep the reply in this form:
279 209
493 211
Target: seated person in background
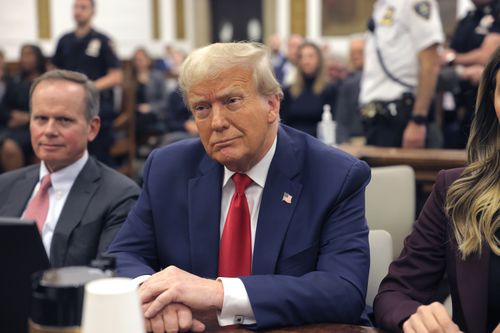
4 116
145 92
4 82
16 150
278 58
290 66
457 233
77 202
303 101
347 115
336 67
164 63
274 213
180 122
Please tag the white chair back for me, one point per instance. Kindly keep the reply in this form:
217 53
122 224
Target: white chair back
390 202
380 259
448 304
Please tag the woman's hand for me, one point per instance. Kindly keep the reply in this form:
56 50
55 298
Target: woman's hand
430 318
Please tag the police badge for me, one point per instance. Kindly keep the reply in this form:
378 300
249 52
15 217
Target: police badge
423 9
93 48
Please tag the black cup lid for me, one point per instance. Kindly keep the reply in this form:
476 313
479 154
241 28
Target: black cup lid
57 295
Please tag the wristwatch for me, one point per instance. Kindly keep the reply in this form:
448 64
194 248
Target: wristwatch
419 119
450 58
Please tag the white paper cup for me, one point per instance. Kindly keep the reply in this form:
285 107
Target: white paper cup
112 305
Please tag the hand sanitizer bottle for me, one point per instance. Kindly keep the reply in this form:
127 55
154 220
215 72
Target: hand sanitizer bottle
327 127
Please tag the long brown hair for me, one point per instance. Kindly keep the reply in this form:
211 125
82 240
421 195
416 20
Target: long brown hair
473 200
320 78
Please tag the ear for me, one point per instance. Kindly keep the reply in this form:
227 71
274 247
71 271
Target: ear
273 104
94 126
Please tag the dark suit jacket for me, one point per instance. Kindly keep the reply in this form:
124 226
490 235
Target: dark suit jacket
156 94
311 257
95 208
429 252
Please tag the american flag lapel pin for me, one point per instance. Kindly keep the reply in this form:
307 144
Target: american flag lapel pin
287 198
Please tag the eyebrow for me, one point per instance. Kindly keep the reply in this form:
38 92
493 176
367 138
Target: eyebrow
232 91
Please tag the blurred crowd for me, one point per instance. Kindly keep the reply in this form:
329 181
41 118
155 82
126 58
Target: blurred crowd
148 110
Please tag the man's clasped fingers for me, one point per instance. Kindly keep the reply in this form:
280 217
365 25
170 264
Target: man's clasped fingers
173 318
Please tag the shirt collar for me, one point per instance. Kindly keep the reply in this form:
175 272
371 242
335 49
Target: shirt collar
259 171
63 179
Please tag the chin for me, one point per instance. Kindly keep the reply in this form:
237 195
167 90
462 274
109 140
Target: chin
226 160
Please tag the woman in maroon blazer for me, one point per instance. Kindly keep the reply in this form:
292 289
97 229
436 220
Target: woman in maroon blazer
457 233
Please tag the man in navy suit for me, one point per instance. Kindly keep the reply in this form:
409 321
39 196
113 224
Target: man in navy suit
309 246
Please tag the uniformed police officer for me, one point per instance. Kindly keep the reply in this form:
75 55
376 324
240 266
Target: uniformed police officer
476 37
88 51
400 72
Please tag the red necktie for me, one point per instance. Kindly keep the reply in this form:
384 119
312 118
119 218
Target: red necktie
38 207
235 253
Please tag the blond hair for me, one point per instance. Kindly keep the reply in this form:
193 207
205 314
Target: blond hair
473 200
208 62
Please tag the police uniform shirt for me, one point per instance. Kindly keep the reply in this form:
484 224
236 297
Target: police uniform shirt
402 29
473 28
92 55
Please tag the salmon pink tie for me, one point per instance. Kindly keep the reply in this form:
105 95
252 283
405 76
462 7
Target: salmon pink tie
38 207
235 253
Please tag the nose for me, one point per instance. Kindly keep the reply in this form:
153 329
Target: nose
219 118
51 128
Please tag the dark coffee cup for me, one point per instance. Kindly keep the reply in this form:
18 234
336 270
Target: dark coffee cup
57 298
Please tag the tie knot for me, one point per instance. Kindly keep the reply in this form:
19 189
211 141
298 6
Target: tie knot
241 182
45 183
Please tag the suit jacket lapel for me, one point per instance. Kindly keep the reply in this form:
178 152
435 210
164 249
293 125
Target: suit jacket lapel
20 193
204 198
275 213
81 192
472 284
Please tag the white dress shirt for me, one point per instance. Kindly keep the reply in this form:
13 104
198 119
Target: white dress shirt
62 182
236 308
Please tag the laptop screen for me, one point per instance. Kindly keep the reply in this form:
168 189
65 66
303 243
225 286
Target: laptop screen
21 254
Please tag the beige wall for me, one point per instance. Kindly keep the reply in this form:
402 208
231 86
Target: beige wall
130 22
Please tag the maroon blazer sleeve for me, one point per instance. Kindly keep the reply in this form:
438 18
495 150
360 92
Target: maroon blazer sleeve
414 276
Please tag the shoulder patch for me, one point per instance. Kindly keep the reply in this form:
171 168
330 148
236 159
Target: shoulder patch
112 46
388 17
423 9
487 21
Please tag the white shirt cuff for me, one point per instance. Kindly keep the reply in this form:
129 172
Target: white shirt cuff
140 279
236 308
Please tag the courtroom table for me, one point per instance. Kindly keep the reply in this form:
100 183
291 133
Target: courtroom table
425 162
212 326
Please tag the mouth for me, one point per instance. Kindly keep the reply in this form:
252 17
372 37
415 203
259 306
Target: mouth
50 146
224 143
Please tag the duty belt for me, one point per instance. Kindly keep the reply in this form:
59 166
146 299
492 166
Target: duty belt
387 108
